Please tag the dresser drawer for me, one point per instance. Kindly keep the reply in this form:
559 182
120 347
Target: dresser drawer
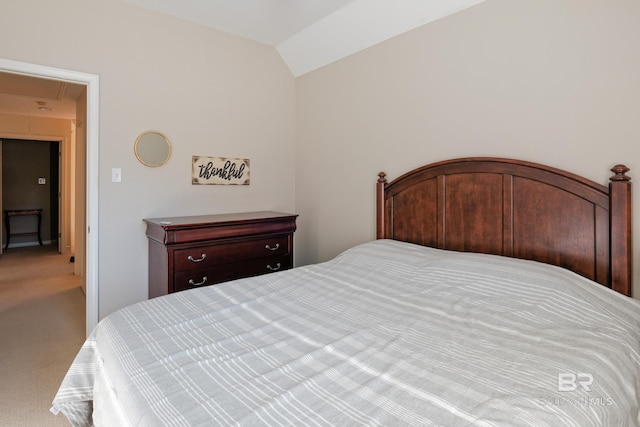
222 247
231 252
224 272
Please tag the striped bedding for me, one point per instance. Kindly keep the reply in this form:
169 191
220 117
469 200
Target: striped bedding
385 334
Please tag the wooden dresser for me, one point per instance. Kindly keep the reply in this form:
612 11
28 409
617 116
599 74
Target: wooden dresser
194 251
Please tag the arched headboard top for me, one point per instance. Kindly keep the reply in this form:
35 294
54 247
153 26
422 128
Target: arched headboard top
514 208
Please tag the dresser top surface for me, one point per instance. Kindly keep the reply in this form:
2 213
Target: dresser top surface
169 222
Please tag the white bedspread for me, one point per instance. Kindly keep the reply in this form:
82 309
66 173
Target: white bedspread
386 334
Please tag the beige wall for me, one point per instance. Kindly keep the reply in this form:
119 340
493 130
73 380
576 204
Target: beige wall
550 81
210 93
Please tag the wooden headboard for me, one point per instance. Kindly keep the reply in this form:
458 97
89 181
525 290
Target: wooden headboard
514 208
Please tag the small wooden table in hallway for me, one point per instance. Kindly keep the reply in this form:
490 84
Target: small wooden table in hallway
9 213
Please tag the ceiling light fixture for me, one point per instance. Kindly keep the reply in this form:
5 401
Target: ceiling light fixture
42 106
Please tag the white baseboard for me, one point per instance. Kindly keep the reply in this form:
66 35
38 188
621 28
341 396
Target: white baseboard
27 244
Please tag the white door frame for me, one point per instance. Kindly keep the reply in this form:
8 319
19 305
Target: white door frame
92 82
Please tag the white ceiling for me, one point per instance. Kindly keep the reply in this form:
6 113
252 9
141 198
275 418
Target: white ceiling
308 34
267 21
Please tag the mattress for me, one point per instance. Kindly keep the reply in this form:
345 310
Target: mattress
387 333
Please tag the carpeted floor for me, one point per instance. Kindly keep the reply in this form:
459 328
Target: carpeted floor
42 322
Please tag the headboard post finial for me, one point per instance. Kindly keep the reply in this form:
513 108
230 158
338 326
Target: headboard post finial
620 217
620 171
380 217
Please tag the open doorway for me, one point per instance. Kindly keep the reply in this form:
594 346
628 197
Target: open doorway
85 157
30 193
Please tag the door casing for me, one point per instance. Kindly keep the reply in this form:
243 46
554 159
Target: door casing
91 195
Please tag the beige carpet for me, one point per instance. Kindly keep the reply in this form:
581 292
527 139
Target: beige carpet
42 322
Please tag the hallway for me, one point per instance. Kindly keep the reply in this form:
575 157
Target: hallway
42 326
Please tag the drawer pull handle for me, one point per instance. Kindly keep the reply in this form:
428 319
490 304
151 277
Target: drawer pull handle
192 259
267 246
192 283
276 268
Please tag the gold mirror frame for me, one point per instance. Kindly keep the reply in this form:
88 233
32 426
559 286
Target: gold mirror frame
152 148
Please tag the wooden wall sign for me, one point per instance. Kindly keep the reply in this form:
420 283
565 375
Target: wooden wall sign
219 171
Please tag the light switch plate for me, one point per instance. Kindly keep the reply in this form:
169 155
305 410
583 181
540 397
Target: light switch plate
42 181
116 175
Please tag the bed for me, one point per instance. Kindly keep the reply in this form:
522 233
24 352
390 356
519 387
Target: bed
497 293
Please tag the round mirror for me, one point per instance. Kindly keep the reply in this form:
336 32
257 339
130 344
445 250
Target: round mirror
152 148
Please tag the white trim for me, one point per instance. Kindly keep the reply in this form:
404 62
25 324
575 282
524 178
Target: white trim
93 88
30 244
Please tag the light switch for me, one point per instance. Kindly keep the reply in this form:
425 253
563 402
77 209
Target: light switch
42 181
116 175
